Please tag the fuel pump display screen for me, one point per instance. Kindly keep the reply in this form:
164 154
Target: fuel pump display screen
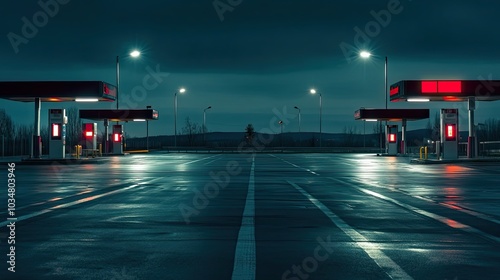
451 132
392 138
89 129
56 131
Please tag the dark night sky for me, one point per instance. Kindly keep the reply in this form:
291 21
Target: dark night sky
263 55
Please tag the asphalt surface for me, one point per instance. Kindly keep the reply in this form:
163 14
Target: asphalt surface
244 216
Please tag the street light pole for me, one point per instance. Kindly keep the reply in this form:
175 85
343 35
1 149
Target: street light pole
205 122
134 53
385 84
299 116
320 121
364 133
117 80
313 91
366 55
147 131
175 119
281 134
385 89
182 90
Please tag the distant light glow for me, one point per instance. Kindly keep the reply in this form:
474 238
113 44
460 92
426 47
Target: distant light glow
89 133
139 120
182 90
418 100
135 53
312 91
365 54
86 99
371 120
451 98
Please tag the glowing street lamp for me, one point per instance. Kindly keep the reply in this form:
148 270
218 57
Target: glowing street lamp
313 92
367 55
134 54
181 90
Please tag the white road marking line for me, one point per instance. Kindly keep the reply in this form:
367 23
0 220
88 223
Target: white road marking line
189 162
294 165
79 201
447 221
61 198
211 161
455 207
393 270
245 262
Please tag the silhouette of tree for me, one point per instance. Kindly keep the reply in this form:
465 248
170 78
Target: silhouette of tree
249 133
73 128
191 129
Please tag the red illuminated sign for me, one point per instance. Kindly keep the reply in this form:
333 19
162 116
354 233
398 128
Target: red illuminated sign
429 86
441 86
392 138
108 91
451 132
450 86
117 137
89 133
394 91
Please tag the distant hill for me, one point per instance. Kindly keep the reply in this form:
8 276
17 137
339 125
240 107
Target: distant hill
288 139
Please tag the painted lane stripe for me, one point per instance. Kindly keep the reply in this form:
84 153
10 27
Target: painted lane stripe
294 165
189 162
211 161
245 262
456 207
79 201
62 198
393 270
447 221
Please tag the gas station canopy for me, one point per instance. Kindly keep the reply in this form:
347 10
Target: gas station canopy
445 90
57 91
392 115
119 115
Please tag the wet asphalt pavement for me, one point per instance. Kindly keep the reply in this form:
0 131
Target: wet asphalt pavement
244 216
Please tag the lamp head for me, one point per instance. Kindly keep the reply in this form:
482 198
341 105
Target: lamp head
365 54
135 53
